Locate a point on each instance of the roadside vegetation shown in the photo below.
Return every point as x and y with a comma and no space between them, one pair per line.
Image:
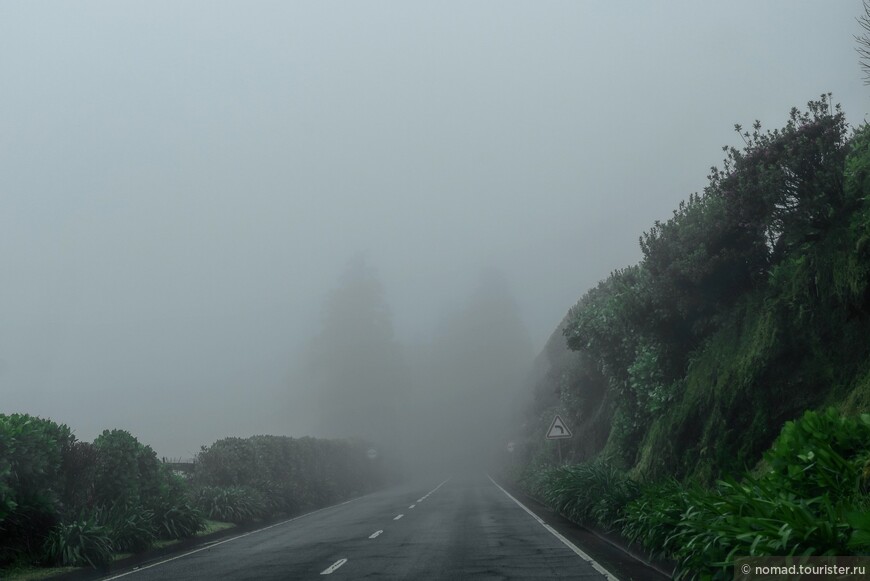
243,479
750,307
69,503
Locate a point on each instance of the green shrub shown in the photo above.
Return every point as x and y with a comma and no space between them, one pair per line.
126,470
236,504
79,543
288,474
32,449
821,453
7,493
31,482
281,498
78,466
227,462
130,526
24,530
179,521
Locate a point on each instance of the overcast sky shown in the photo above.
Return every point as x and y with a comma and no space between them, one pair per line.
181,183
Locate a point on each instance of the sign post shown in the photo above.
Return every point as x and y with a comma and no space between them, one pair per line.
559,431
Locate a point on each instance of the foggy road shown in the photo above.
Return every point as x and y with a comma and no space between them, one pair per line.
464,527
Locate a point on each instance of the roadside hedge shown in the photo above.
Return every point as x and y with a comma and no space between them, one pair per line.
68,502
265,476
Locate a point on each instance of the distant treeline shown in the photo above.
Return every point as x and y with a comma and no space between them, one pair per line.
750,305
68,502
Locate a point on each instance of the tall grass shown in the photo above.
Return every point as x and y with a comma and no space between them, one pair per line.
593,493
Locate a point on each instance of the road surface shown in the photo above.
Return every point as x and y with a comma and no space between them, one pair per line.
465,527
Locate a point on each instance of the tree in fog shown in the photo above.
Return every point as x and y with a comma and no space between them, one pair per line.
863,41
355,362
477,364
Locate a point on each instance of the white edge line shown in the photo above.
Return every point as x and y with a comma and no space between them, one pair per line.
607,574
331,569
212,545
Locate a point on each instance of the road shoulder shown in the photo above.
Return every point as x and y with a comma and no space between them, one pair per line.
617,560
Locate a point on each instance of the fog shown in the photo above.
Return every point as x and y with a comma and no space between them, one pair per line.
445,401
363,219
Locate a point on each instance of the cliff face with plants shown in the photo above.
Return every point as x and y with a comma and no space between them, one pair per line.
750,306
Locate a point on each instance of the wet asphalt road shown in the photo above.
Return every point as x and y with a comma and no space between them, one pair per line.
465,527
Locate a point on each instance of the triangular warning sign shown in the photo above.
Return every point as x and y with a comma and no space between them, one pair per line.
558,430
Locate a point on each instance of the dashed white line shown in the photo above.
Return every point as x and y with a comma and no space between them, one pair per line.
437,487
412,506
329,570
607,574
425,496
398,516
375,534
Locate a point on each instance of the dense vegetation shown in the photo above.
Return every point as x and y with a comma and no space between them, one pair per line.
63,501
750,306
68,502
242,479
810,498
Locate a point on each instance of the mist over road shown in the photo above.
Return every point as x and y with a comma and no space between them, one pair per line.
463,527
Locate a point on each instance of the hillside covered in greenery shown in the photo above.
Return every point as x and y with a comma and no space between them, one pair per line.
749,307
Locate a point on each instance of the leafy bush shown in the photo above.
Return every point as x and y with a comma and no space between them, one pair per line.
287,474
32,451
23,532
78,466
821,453
237,504
79,543
7,493
126,470
130,526
227,462
31,482
179,521
48,480
281,498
